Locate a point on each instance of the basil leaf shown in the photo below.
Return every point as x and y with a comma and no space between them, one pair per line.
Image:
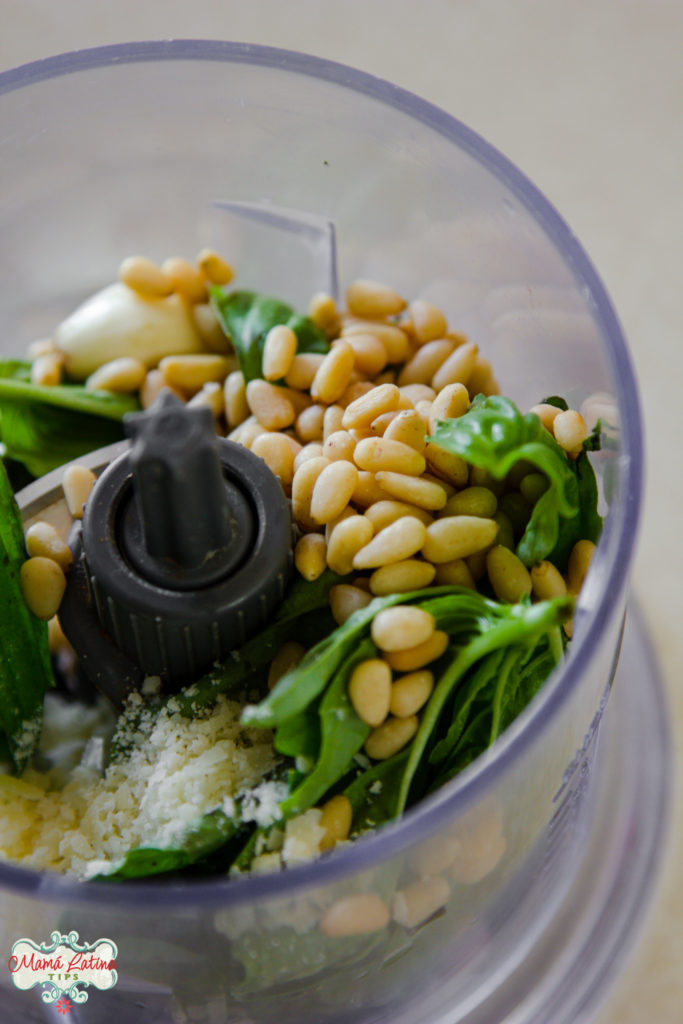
25,670
342,732
44,427
494,435
246,317
201,839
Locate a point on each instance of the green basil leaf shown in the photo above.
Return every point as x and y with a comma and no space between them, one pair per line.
25,670
44,427
494,435
246,317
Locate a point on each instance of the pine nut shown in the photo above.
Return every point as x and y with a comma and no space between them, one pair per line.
434,856
209,329
379,453
347,539
309,451
401,627
395,340
428,321
408,427
247,432
454,574
190,373
123,375
330,527
359,914
458,368
457,537
411,692
276,452
532,486
546,414
366,408
508,575
394,543
420,655
506,535
43,540
346,599
425,363
284,660
447,464
77,483
43,584
322,309
56,637
370,690
399,577
482,380
186,279
309,423
214,268
303,370
47,370
336,819
332,420
472,501
468,870
145,277
333,374
367,490
450,403
579,562
152,387
339,445
43,347
271,406
390,737
414,394
383,513
210,397
381,424
310,556
419,901
447,487
332,491
279,350
369,352
570,430
235,396
476,563
415,490
302,490
547,581
370,299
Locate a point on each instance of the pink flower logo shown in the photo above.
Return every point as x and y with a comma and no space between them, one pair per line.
63,1005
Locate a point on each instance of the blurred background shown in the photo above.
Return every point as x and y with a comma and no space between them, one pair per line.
586,97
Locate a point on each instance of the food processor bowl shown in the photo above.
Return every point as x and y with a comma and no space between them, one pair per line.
157,148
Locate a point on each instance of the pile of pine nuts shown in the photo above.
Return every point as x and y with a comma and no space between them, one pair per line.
346,435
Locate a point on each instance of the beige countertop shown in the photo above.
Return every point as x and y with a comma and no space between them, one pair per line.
586,97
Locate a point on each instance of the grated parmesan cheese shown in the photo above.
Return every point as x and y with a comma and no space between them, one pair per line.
175,770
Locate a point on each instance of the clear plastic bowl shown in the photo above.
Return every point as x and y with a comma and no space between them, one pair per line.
138,148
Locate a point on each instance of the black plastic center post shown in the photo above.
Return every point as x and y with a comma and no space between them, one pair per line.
186,548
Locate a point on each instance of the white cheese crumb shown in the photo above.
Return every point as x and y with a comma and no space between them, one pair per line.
175,770
303,836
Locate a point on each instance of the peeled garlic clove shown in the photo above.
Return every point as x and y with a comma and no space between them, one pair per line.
117,322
